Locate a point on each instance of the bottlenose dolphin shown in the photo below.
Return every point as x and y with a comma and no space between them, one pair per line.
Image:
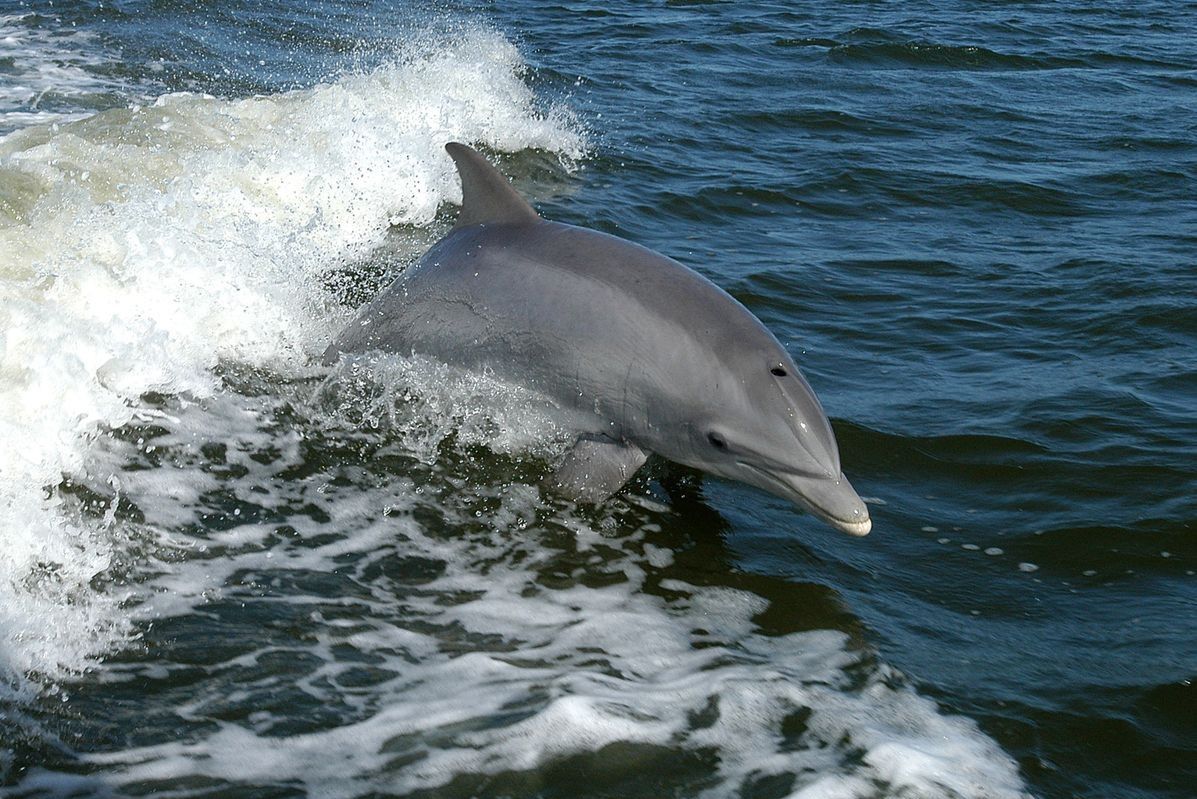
644,354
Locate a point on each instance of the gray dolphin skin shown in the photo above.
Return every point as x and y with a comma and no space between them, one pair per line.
643,354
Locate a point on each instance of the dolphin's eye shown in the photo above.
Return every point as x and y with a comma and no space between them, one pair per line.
716,441
779,371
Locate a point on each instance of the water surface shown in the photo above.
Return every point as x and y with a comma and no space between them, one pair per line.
228,571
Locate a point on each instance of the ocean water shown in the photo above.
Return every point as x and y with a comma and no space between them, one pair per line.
228,571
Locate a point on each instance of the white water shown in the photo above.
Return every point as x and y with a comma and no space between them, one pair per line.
52,73
140,247
497,653
404,628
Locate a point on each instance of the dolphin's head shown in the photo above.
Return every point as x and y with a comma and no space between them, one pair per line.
762,425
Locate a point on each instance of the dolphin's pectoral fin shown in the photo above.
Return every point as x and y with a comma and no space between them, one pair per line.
596,468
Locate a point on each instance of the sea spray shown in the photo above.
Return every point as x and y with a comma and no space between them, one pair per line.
142,246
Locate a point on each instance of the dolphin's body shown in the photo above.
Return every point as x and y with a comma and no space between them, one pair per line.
645,354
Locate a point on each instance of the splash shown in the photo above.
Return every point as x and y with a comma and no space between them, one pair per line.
141,247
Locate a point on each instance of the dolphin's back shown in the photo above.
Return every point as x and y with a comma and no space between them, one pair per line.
575,310
563,305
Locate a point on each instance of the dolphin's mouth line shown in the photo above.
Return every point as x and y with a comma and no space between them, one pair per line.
790,490
795,472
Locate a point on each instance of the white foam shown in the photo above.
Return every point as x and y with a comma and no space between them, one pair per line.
139,248
142,248
51,71
484,668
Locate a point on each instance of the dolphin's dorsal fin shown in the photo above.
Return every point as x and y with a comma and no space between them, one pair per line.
486,196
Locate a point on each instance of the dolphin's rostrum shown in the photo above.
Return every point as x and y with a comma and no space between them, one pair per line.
643,354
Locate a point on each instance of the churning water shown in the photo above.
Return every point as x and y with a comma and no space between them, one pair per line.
226,570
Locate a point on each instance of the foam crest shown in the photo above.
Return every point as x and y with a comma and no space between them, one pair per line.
143,246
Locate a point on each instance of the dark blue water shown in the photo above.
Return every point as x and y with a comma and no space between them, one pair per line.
973,224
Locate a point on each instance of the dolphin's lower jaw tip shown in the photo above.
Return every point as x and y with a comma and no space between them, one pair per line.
833,500
860,528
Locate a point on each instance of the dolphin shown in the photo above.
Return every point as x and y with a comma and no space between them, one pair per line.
644,354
